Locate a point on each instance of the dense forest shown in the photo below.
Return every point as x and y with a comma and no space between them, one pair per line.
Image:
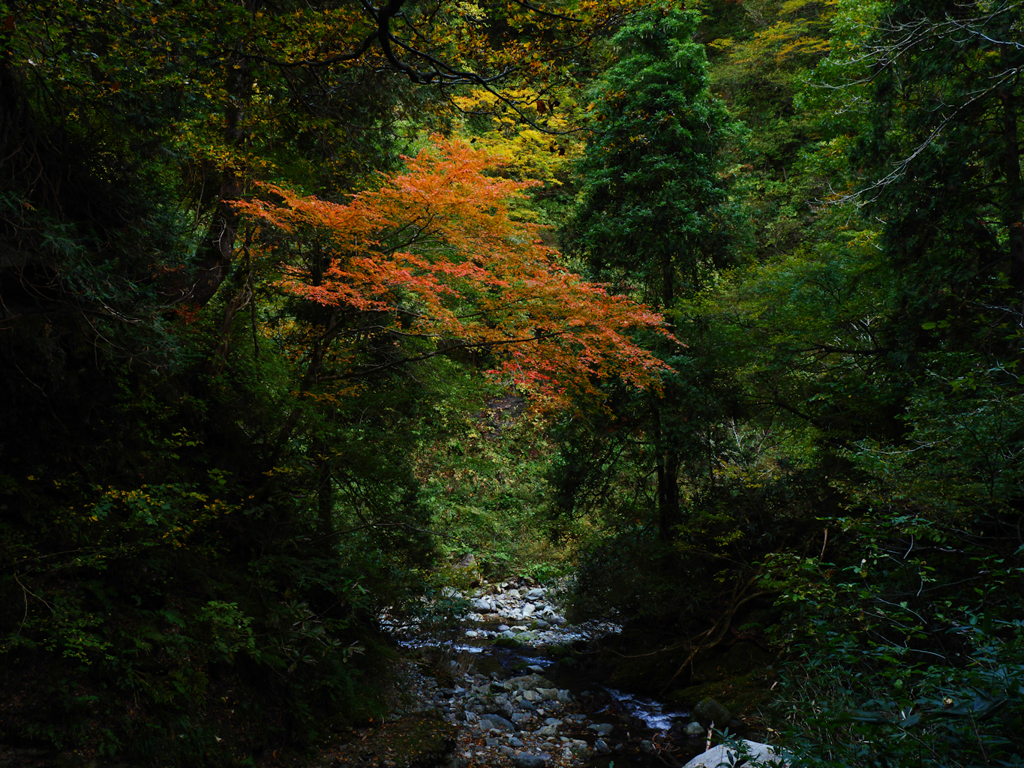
713,309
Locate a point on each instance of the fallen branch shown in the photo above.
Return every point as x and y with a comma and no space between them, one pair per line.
721,626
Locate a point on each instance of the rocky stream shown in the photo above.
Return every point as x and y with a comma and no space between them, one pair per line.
506,688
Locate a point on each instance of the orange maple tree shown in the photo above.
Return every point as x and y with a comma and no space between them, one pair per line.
435,253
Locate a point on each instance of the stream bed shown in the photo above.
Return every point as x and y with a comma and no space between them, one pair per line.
510,684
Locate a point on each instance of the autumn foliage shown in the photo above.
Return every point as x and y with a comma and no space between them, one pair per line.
436,254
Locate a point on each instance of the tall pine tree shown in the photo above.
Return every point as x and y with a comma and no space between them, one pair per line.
654,218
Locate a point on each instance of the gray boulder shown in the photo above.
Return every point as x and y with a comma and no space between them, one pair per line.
694,729
527,760
483,605
709,711
527,681
758,756
496,721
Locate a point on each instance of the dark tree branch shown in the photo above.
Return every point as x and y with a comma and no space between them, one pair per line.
398,362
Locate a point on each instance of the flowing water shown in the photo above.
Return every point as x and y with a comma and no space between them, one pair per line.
618,727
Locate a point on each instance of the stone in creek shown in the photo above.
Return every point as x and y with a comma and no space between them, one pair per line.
546,731
694,729
549,693
579,747
709,711
602,729
527,760
496,721
760,754
527,682
528,610
536,593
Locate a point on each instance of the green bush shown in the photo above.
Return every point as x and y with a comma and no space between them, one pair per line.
911,656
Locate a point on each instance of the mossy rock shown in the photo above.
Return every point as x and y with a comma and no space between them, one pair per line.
740,694
422,740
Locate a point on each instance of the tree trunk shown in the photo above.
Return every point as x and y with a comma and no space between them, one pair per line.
668,462
324,488
1014,206
218,250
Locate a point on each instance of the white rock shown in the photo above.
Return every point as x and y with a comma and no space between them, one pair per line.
723,757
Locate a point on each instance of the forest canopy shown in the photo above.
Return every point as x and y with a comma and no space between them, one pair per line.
712,310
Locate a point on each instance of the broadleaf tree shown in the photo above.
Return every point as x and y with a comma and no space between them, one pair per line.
434,262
